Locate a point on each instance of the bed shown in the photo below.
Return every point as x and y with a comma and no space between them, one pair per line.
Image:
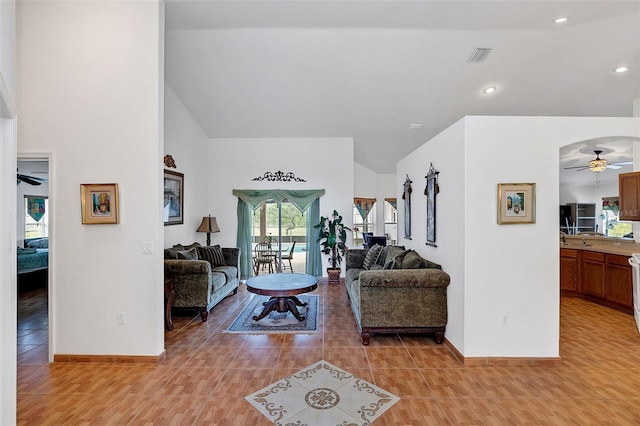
32,259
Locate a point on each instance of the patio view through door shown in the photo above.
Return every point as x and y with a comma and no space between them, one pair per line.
284,227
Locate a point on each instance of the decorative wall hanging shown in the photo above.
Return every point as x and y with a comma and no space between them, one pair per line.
516,203
99,203
35,207
364,206
430,191
406,196
173,198
279,177
169,161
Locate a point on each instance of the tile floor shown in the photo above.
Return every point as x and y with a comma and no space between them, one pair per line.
208,373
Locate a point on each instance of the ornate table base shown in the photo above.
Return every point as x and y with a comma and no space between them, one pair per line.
281,304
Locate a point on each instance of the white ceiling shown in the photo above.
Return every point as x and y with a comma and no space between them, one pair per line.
367,69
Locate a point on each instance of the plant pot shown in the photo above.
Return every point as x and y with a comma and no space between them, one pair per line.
334,275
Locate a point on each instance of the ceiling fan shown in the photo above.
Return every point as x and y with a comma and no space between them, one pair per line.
31,180
598,164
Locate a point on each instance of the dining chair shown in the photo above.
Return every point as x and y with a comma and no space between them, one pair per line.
289,257
263,256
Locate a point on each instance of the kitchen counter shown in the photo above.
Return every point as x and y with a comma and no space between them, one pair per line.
601,244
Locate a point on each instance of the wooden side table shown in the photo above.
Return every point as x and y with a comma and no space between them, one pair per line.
169,294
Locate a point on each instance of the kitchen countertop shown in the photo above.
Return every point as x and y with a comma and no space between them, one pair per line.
601,245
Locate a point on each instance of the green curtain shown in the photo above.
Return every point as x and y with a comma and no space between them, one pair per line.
313,259
302,199
244,238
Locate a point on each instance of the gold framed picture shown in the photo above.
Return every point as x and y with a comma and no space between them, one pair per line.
99,202
516,203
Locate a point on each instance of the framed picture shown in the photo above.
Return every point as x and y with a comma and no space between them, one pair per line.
173,198
99,203
516,203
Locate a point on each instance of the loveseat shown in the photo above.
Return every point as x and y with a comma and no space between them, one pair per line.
392,290
202,275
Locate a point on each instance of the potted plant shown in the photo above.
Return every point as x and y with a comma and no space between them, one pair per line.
332,238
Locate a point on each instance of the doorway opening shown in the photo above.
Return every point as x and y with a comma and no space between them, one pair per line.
283,228
33,238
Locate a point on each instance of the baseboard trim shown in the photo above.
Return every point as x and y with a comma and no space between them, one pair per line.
111,359
501,361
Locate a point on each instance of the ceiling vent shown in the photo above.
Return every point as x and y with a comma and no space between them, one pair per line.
479,54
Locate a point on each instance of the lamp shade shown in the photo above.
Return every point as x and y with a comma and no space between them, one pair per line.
209,224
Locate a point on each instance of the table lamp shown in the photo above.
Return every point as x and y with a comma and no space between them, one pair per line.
208,225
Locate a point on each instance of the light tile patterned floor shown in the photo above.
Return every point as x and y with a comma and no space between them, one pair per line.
322,394
208,373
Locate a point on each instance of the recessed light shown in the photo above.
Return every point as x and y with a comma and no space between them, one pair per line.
560,20
489,90
621,69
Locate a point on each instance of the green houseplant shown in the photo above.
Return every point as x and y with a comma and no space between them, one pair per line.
332,237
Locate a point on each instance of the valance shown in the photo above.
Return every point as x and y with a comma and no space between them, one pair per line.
610,203
301,198
393,202
364,205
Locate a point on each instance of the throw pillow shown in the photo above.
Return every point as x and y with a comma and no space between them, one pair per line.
212,254
395,261
189,247
191,254
171,253
384,254
413,260
372,256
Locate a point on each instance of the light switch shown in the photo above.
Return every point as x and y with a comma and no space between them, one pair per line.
146,247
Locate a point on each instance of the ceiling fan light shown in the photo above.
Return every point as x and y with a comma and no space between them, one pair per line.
597,165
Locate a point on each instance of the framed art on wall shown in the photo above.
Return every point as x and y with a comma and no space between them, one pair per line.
516,203
99,203
173,198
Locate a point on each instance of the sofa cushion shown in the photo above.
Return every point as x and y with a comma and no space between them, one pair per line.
171,253
191,254
218,279
413,260
230,272
213,254
371,257
376,267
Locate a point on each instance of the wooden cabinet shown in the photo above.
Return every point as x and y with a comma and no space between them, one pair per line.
628,190
569,269
619,280
593,273
603,278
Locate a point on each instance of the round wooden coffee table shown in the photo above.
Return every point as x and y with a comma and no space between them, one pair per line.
283,289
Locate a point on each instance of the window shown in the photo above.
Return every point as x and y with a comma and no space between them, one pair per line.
362,225
391,220
36,217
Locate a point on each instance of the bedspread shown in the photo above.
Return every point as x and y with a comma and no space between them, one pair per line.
30,260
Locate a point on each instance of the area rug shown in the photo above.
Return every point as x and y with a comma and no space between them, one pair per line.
277,322
322,394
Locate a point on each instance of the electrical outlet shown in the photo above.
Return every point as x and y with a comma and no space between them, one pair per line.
120,317
504,320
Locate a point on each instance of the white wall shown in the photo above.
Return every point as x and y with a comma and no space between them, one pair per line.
508,270
370,184
186,142
446,152
8,286
90,93
235,162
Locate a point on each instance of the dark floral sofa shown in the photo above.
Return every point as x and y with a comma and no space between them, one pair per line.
393,290
202,275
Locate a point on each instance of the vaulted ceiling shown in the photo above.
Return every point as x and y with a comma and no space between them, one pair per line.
369,69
